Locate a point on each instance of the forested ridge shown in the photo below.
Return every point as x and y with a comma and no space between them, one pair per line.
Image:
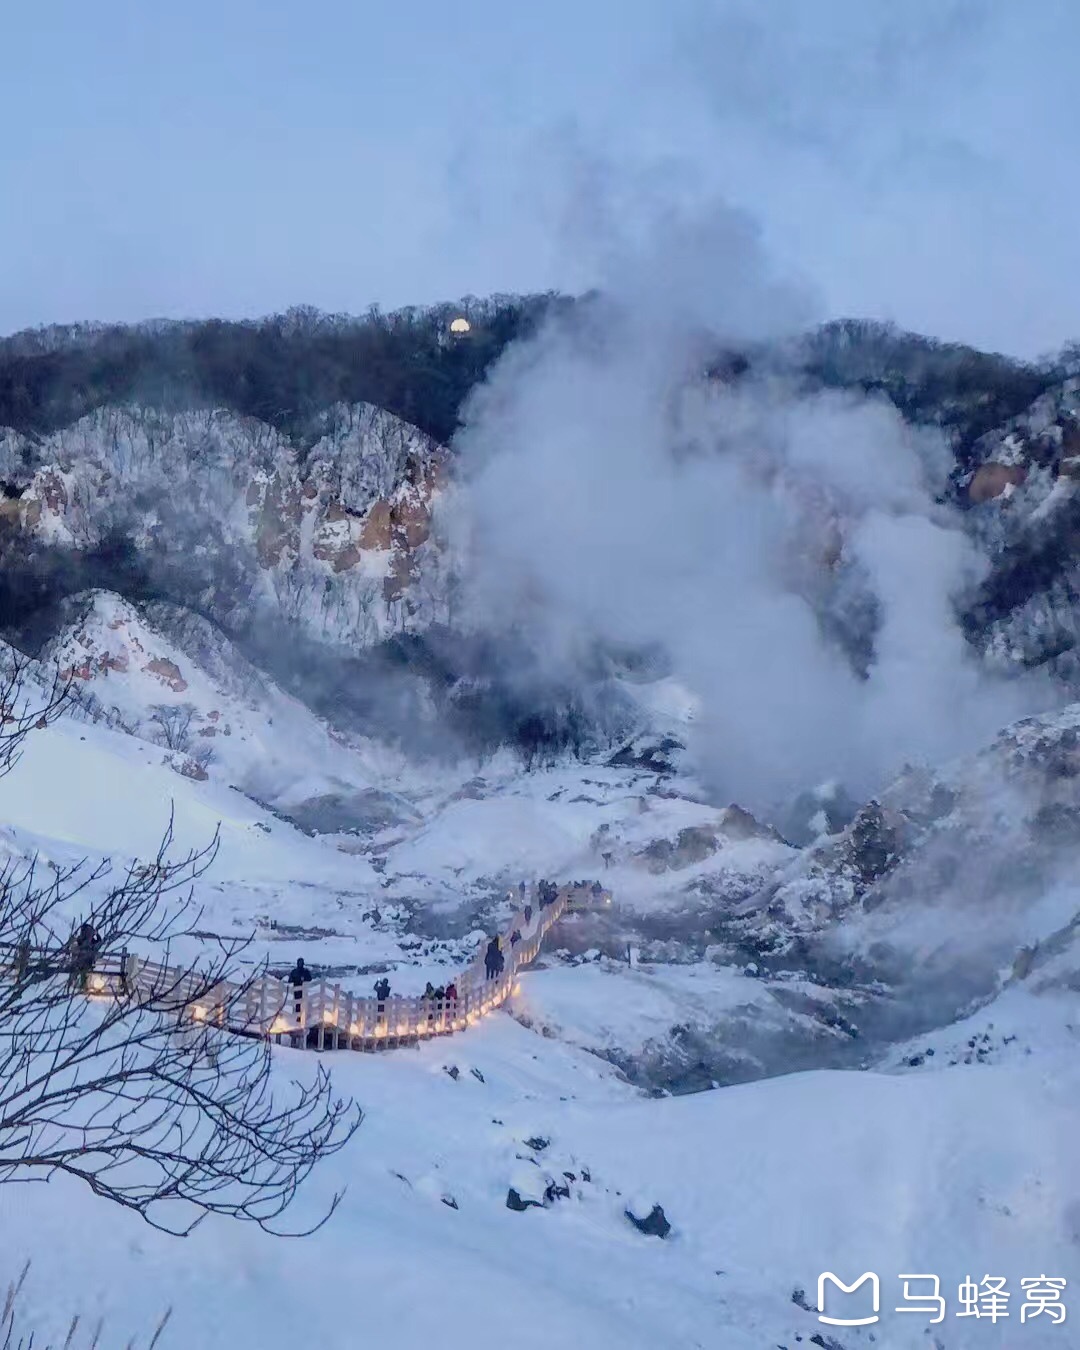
284,370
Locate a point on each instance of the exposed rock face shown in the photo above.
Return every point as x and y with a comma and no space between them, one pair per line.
968,848
1022,484
168,672
991,480
239,521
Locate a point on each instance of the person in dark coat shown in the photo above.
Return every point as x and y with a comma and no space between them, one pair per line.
382,989
515,937
493,958
528,913
84,953
451,992
298,977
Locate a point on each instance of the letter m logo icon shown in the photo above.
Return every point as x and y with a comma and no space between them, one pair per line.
875,1293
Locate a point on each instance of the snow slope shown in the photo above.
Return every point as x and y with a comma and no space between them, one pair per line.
958,1172
960,1162
234,725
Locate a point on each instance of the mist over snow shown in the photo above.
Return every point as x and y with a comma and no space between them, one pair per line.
789,551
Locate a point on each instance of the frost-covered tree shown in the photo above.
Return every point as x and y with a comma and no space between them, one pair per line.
172,724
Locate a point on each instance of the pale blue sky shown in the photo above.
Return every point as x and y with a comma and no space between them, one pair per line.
910,159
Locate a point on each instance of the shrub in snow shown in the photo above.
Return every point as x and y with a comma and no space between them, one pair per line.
12,1326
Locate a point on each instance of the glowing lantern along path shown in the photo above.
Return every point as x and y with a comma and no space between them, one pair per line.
319,1015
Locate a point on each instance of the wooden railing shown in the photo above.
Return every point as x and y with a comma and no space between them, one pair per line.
323,1015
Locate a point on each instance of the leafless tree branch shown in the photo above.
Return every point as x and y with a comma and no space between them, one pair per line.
133,1089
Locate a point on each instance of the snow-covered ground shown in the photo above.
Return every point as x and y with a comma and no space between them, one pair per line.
970,1171
957,1163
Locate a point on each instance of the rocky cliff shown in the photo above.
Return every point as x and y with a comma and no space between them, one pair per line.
226,515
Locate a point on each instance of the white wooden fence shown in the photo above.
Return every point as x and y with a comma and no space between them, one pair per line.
322,1014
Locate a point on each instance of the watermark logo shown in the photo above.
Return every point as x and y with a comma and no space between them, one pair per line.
916,1301
988,1298
1042,1294
875,1293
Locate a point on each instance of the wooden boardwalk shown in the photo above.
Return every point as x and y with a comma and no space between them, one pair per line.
321,1016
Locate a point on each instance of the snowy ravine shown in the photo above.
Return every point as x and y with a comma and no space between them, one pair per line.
953,1153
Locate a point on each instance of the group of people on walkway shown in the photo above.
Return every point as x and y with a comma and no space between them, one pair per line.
547,893
443,994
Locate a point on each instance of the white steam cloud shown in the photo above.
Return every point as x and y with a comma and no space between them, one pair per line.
616,493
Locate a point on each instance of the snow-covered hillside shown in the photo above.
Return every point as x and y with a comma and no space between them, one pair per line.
947,1147
959,1172
212,712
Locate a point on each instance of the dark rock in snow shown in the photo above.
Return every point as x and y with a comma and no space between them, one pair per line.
515,1202
655,1223
477,1075
453,1071
537,1142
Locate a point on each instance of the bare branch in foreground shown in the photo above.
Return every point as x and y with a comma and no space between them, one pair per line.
134,1090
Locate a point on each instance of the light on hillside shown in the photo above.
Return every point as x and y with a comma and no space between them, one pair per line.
460,325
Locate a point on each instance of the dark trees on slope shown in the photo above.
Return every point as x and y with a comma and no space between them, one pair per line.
287,370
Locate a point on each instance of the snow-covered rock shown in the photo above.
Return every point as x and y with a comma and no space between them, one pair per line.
212,712
334,539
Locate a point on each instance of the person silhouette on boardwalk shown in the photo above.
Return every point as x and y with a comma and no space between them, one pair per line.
493,958
298,977
84,954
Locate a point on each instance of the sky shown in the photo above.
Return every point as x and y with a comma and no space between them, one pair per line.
902,159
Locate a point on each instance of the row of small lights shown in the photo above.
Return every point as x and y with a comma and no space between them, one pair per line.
97,985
